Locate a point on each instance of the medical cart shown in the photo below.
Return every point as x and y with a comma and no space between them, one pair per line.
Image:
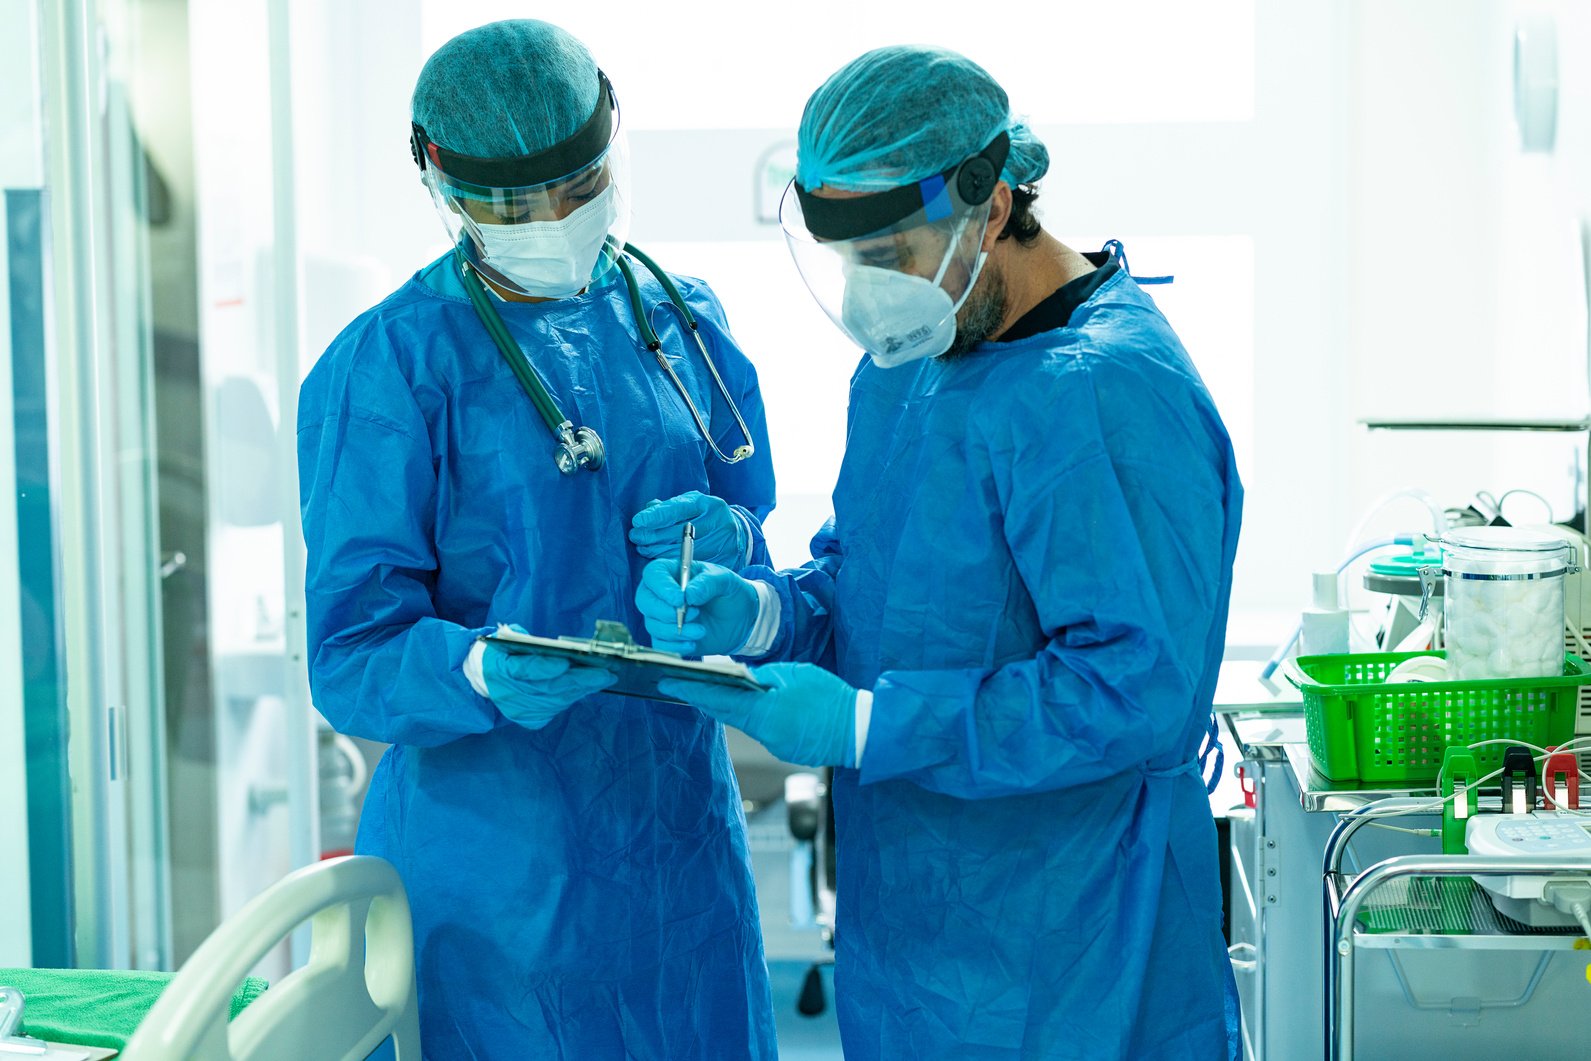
1276,938
1422,963
1278,851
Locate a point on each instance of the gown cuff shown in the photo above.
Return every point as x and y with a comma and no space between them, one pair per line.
766,629
473,669
864,717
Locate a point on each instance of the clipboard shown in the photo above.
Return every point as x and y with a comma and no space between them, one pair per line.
639,667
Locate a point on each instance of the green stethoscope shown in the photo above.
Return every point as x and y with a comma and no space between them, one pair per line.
580,447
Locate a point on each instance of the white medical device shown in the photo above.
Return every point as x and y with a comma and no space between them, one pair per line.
1540,835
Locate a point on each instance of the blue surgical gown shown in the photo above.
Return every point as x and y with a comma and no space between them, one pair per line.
1030,566
582,890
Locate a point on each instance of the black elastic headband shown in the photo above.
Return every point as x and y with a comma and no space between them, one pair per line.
522,171
973,182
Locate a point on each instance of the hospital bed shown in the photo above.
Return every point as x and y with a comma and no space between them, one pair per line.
356,991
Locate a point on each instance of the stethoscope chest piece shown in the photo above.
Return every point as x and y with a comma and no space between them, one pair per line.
578,449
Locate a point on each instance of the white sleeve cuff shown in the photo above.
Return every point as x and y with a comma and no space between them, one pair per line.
864,716
473,669
766,629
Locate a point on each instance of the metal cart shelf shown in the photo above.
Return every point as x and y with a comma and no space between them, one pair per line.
1437,927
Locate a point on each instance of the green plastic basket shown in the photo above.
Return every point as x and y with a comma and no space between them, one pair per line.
1362,729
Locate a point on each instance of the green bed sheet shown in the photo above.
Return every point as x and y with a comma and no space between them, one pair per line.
96,1007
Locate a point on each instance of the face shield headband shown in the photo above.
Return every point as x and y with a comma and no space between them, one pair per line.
521,171
971,182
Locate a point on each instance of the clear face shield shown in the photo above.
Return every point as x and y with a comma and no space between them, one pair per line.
546,225
891,269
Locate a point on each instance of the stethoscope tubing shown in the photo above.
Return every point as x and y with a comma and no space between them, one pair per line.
580,447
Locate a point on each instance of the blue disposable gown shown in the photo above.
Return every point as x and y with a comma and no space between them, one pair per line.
582,890
1030,565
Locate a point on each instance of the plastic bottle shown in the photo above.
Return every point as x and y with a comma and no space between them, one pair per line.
1325,629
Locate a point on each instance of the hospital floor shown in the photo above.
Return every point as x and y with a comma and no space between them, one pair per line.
802,1038
791,949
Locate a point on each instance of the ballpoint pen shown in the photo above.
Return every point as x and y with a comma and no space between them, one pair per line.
687,546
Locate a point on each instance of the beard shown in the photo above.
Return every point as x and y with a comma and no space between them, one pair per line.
981,315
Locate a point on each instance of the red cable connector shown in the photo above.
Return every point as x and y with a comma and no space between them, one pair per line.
1562,775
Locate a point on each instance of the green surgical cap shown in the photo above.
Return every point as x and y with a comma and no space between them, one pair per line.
899,114
506,89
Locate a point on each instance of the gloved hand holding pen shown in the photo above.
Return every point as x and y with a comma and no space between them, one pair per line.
720,608
722,536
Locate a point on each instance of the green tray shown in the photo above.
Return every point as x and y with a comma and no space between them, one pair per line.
1448,906
1361,729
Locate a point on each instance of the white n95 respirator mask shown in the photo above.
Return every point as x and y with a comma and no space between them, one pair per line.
899,317
551,259
893,266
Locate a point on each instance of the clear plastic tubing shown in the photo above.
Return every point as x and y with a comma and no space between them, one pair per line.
1503,590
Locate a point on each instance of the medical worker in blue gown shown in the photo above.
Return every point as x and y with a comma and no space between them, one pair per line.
576,861
1017,611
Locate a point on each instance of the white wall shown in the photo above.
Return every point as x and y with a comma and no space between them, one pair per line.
1465,286
1572,160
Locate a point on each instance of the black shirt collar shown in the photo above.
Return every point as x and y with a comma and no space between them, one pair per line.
1057,308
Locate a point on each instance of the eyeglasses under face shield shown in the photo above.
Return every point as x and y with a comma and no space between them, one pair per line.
539,190
932,229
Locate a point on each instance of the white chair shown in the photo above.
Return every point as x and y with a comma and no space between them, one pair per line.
356,990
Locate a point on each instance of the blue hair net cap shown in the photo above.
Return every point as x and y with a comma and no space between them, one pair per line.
506,89
896,115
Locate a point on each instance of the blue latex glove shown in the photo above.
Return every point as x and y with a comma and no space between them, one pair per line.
721,608
808,717
533,690
721,536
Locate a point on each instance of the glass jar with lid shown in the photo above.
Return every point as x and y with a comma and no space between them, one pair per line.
1504,589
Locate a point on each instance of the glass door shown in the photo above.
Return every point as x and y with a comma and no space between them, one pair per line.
168,283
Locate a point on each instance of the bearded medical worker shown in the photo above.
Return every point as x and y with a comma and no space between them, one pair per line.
576,861
1016,613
